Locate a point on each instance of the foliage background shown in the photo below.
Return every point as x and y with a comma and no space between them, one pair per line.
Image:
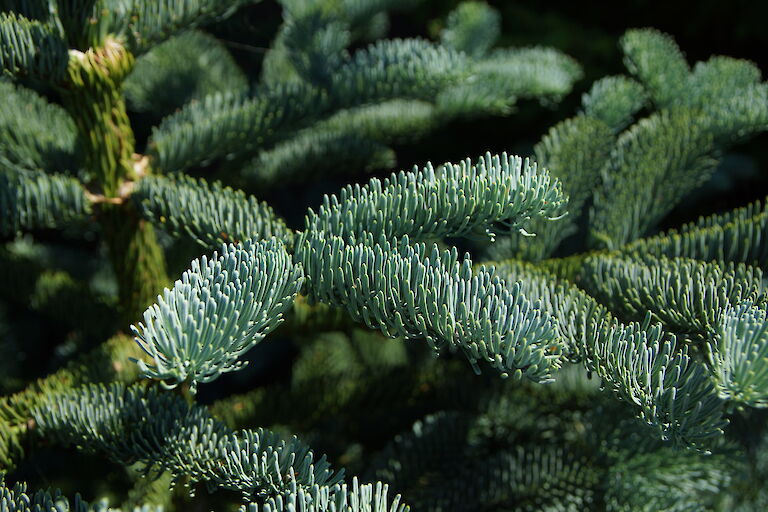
589,32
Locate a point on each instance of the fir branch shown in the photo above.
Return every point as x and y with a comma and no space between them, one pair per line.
421,293
574,151
315,43
674,394
666,480
393,121
210,214
530,72
686,295
737,236
162,431
410,69
186,67
472,27
33,200
718,78
19,499
614,100
490,94
575,313
340,497
103,364
453,200
518,479
29,47
397,68
726,92
229,124
351,139
658,63
735,216
638,361
330,153
734,117
145,24
497,81
35,134
219,309
654,164
738,354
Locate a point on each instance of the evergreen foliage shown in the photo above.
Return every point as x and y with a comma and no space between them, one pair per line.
210,214
645,354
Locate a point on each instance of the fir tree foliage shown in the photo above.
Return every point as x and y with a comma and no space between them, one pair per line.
454,200
614,100
31,48
738,354
35,134
673,325
187,67
686,295
161,429
671,389
218,309
310,75
210,214
33,200
736,236
624,176
19,499
414,292
472,28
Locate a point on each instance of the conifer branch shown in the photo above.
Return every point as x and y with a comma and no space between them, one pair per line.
105,364
530,72
638,361
230,124
737,236
397,68
210,214
33,200
673,392
614,100
145,24
688,296
738,354
219,309
654,164
574,151
328,152
418,292
473,28
658,63
666,480
315,43
184,68
19,499
452,200
162,431
34,133
349,498
29,47
351,139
